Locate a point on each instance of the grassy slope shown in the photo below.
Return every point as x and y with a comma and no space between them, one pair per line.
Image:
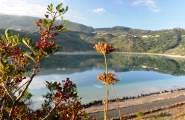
81,37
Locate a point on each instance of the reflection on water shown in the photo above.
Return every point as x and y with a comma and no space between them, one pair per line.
137,74
118,62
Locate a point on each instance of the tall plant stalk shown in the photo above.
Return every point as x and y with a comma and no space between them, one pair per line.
106,102
107,78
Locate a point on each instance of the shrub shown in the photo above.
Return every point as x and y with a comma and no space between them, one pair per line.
20,60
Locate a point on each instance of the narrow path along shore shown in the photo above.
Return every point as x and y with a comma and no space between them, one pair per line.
129,53
142,104
154,54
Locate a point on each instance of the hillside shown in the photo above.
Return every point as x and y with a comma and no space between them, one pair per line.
81,37
27,24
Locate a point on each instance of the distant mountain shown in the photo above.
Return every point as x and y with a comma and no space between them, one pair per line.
27,23
19,23
82,38
71,26
134,40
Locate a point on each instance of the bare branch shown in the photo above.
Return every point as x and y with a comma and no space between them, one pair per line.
2,102
20,87
49,113
27,85
9,93
23,92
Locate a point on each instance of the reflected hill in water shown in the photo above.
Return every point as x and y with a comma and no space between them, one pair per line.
118,62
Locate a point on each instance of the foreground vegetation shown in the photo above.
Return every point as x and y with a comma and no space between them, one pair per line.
20,60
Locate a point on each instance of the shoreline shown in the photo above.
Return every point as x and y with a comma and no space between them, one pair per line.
155,54
143,103
129,53
127,98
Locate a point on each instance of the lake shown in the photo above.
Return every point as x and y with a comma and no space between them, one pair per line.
138,74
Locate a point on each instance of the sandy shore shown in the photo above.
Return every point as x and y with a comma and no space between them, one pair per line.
154,54
142,104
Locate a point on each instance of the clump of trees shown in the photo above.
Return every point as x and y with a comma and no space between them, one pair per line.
20,60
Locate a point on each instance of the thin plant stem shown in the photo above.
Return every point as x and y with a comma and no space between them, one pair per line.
107,90
23,92
118,102
106,102
106,65
9,93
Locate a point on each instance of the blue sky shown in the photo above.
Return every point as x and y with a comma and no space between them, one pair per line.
143,14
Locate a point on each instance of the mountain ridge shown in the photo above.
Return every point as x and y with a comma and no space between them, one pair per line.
32,19
79,37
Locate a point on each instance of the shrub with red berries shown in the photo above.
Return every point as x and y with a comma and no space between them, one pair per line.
20,62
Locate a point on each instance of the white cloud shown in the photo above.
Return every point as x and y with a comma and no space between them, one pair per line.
99,10
22,7
151,4
33,8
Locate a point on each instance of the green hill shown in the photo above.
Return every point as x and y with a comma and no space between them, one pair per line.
82,38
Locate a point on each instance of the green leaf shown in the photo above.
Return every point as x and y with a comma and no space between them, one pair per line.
27,42
50,8
7,33
59,7
27,55
67,8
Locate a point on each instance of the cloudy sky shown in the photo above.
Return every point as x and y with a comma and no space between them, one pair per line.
144,14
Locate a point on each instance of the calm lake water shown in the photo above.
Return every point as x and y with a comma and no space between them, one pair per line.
137,74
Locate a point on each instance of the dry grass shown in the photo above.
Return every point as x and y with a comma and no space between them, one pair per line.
175,113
